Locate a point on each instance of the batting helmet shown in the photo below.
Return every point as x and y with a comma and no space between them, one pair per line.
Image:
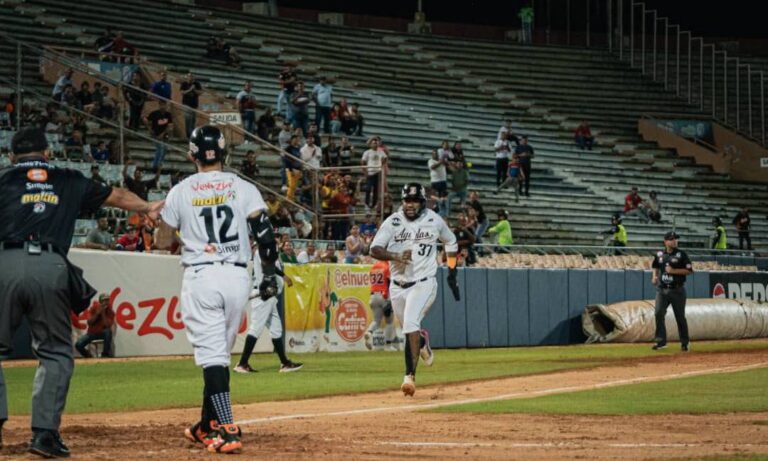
413,191
207,144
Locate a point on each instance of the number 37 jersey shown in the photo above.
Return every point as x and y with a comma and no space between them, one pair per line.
398,234
211,211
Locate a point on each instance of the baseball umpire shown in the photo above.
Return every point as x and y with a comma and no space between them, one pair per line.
408,238
669,270
39,204
213,211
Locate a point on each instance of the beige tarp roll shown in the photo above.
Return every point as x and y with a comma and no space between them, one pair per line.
634,321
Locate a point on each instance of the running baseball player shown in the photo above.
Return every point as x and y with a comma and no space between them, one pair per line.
264,313
380,305
408,238
213,211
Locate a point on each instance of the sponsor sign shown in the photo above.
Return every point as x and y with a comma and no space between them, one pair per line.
746,285
764,162
698,129
225,118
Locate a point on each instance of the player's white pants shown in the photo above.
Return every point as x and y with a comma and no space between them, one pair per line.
212,301
264,313
412,304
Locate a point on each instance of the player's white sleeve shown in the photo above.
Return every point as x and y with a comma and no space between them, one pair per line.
170,213
448,238
252,200
383,235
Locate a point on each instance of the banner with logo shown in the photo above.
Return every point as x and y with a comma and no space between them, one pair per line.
144,294
328,308
699,129
223,118
746,285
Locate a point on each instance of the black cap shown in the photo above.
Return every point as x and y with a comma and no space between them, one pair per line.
671,235
28,140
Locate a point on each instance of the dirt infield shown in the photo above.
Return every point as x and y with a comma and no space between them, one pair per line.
387,425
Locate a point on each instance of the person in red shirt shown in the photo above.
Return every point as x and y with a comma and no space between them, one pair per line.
632,204
381,306
583,136
100,323
128,241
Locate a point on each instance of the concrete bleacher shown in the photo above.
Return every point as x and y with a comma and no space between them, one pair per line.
417,91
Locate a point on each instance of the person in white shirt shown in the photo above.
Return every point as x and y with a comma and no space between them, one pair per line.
373,160
438,178
213,212
408,238
311,153
309,254
503,153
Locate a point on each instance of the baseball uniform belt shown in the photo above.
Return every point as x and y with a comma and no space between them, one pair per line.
408,284
211,263
671,286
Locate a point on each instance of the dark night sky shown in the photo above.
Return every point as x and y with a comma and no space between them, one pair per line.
736,18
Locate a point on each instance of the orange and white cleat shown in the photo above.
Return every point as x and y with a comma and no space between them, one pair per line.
409,386
228,440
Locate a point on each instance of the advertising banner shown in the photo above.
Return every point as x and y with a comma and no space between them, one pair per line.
328,308
746,285
699,129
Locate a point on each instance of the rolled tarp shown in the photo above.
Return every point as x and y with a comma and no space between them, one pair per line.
635,321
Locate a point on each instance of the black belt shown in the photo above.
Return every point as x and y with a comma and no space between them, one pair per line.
14,245
671,287
211,263
408,284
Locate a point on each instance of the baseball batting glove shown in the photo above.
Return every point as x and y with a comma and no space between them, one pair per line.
268,287
454,284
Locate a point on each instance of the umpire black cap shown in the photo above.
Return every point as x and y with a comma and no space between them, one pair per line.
671,235
28,140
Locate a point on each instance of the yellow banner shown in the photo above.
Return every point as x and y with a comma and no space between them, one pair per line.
328,307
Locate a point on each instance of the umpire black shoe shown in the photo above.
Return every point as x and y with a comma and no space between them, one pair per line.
48,444
685,347
659,346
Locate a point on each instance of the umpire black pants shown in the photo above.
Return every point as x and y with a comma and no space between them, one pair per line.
676,297
36,287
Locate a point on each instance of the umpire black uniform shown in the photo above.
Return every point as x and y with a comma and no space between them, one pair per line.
39,204
670,268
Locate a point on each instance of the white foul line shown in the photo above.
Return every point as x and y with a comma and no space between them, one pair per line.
535,445
514,395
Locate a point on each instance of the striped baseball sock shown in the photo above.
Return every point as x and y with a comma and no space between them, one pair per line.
223,407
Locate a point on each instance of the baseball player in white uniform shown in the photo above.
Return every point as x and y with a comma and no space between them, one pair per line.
408,238
264,313
213,212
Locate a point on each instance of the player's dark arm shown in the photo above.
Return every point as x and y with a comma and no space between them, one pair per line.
165,236
264,235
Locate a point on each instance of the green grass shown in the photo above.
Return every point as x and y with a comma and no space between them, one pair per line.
714,393
157,384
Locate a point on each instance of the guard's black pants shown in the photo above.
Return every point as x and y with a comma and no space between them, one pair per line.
676,297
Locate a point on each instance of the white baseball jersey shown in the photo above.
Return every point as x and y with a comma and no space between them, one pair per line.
211,211
398,234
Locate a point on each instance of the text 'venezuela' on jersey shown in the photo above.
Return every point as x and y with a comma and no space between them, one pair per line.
421,235
211,211
42,201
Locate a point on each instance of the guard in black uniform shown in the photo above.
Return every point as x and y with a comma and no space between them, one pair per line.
669,270
39,204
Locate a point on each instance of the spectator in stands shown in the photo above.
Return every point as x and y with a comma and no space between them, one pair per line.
632,204
526,24
125,51
618,231
137,184
68,98
265,125
331,153
300,107
285,135
458,155
288,78
136,96
250,168
293,166
583,136
99,238
742,222
63,81
482,219
84,98
335,118
465,238
129,241
514,176
313,133
96,176
373,161
354,246
445,152
525,151
504,231
506,127
228,52
104,41
322,95
298,132
302,224
100,153
339,203
100,323
107,105
161,87
368,227
719,238
311,153
273,204
346,152
160,124
287,256
308,255
74,148
503,151
190,96
246,103
438,179
8,111
356,120
459,184
329,255
652,207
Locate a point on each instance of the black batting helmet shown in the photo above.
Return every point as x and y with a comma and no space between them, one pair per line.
413,190
207,144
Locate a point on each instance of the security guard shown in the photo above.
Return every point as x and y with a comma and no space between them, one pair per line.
669,270
39,204
620,238
719,239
